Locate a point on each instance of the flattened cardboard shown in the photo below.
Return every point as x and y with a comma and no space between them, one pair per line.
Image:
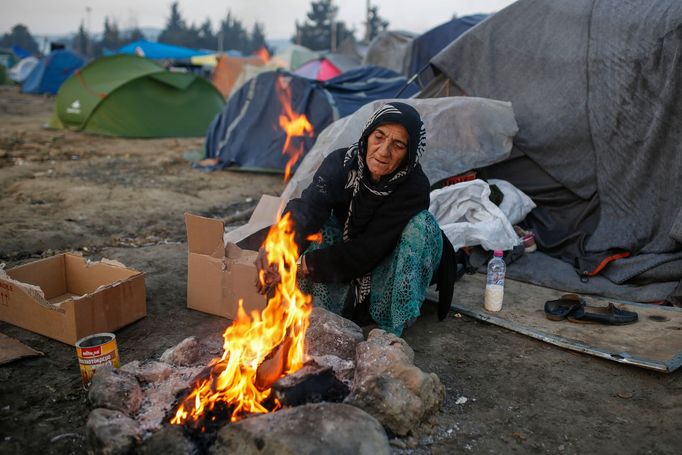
653,342
219,273
66,297
12,349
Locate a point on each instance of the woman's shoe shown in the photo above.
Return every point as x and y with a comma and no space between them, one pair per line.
567,305
610,315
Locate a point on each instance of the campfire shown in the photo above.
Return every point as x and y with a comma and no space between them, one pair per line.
349,390
293,124
262,347
258,348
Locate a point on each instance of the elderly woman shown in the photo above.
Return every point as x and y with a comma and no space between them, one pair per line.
380,246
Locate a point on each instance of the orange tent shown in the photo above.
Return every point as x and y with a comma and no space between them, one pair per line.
228,70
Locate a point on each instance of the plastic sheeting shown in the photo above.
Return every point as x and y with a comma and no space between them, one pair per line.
595,87
427,45
20,71
149,49
391,50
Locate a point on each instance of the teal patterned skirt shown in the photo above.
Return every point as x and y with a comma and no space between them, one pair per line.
399,282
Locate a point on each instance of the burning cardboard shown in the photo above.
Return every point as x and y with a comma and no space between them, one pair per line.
259,347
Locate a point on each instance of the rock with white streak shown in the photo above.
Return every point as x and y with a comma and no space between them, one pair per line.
149,371
185,353
390,387
343,369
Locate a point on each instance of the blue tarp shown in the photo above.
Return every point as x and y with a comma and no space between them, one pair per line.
51,72
427,45
247,135
20,52
355,88
149,49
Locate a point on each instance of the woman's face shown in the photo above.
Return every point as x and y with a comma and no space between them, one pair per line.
386,148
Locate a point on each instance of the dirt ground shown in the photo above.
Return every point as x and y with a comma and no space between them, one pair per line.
125,199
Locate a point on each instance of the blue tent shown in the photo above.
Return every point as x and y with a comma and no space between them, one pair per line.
52,71
246,134
427,45
157,51
355,88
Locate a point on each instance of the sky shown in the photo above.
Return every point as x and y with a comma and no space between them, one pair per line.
55,17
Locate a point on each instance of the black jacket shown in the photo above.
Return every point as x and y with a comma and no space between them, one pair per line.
327,196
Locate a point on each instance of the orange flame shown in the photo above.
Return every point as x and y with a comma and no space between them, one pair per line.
293,124
237,379
263,54
315,237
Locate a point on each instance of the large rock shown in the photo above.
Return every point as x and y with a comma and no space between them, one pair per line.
388,385
311,429
185,353
169,440
150,371
116,389
110,432
331,334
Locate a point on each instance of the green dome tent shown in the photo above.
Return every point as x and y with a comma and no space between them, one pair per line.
130,96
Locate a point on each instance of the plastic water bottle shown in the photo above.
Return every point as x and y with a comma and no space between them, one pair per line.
494,285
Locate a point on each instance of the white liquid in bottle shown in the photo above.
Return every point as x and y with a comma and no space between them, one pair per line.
494,285
494,294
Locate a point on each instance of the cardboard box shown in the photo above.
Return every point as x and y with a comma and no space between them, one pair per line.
66,297
219,272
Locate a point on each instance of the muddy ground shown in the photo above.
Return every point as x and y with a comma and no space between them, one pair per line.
124,199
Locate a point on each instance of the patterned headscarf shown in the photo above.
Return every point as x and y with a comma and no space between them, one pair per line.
363,203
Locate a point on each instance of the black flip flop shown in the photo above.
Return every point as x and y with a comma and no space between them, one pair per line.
567,305
609,315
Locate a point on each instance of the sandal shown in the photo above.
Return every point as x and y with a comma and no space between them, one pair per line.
567,305
610,315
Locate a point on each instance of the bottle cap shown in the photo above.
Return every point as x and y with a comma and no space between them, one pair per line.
498,253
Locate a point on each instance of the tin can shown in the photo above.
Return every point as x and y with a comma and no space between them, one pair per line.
96,351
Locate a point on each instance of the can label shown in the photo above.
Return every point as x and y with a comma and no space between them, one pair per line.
96,351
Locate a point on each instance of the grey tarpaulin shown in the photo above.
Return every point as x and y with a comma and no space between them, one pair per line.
461,133
392,50
596,87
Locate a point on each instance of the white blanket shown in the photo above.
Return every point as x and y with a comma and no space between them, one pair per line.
466,215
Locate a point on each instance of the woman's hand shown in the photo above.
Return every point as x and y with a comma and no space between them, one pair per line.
269,271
